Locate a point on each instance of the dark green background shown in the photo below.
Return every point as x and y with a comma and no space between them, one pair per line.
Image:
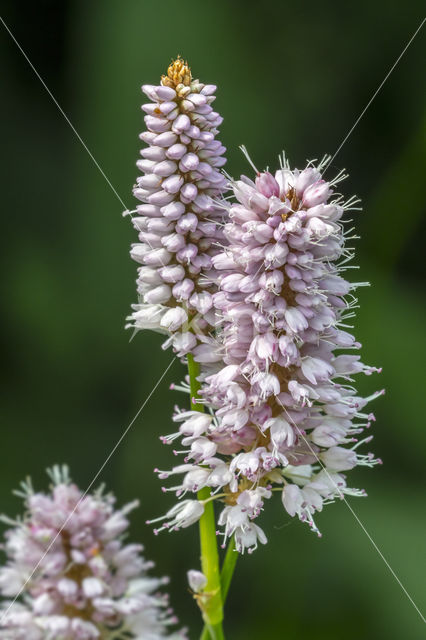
291,76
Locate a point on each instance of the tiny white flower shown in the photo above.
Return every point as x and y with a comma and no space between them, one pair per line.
196,580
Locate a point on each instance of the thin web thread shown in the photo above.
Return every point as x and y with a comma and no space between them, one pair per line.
123,204
64,115
84,145
341,495
375,93
114,449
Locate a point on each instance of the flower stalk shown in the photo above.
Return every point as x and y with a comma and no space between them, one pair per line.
211,602
228,569
226,574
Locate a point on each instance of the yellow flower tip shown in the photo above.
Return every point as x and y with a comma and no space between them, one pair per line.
178,73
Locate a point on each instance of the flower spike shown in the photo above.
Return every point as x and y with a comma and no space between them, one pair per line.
77,577
177,221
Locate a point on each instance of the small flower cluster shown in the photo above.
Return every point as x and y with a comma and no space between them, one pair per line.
283,413
69,575
177,222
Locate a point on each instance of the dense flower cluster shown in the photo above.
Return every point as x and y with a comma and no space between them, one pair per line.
74,576
177,222
283,413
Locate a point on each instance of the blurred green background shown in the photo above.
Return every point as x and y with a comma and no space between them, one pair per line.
291,76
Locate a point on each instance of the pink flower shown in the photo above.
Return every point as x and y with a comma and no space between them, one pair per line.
176,220
72,573
284,412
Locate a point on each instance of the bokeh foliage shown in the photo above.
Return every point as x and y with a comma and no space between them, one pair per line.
290,75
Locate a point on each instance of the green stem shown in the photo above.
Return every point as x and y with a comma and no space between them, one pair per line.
207,633
212,632
195,386
227,572
212,605
228,568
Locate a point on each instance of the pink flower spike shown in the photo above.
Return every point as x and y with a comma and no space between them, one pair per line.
68,528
